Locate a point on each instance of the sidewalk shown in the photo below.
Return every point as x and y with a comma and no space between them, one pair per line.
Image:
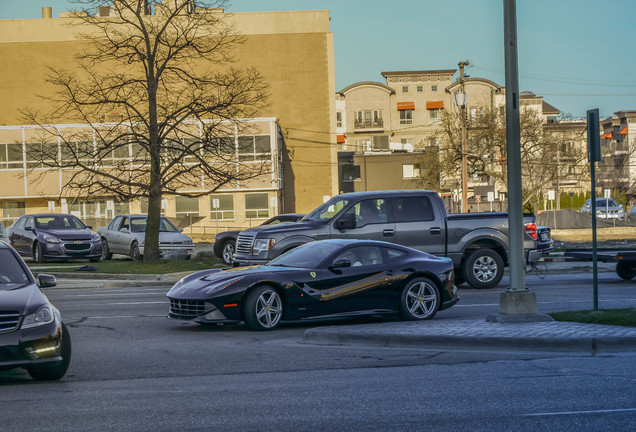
553,336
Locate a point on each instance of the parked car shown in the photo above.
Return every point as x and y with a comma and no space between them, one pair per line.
225,241
631,214
323,279
3,233
54,236
606,208
126,234
32,334
476,242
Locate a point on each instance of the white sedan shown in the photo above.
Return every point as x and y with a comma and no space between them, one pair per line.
125,235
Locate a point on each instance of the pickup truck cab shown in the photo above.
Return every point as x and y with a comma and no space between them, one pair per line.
477,243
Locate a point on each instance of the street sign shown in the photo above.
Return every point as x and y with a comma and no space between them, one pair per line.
551,195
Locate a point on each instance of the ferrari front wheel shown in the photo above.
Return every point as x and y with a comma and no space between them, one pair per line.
420,300
263,308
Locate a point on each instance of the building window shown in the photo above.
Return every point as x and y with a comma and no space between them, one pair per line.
256,205
368,119
435,115
339,119
13,209
406,117
410,171
221,207
434,88
143,204
420,89
350,173
10,156
254,148
405,89
186,206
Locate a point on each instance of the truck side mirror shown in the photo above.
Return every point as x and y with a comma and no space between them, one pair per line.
346,221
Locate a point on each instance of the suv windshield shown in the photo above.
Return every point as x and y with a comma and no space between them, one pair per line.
328,210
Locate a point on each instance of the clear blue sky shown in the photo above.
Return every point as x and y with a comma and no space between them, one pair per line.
578,54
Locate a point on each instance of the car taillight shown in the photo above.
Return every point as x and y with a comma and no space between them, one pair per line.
531,230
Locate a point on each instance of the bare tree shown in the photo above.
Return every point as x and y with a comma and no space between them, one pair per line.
543,154
162,73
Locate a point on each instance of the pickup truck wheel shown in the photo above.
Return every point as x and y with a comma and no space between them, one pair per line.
419,300
483,268
228,251
625,270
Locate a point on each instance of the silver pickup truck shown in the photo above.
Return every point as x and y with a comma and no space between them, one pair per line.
476,242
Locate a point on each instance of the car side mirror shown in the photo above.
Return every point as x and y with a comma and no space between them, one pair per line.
90,227
28,228
340,263
180,229
46,280
124,230
346,221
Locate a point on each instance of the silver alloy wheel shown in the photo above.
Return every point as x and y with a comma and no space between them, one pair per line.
269,309
485,268
421,300
228,252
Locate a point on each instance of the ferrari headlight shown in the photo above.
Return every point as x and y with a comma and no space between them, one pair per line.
42,316
51,239
222,286
261,245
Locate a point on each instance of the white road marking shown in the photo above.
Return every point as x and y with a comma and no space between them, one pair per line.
580,412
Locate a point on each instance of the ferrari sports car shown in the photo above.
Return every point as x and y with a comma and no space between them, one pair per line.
32,335
322,279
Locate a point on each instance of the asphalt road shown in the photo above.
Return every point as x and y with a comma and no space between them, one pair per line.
135,370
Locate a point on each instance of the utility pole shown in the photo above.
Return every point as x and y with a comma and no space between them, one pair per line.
464,139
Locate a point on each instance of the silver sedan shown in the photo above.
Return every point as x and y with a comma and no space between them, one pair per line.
125,235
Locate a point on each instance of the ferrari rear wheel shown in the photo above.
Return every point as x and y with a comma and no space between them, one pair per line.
263,308
420,300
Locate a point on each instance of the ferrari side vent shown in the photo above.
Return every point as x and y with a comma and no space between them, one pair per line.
9,320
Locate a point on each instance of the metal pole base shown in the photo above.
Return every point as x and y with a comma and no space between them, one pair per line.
518,306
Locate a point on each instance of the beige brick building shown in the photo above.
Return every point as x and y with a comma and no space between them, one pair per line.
294,53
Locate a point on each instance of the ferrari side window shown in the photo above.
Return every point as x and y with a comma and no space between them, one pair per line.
394,254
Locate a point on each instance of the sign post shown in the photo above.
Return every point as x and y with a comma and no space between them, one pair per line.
593,156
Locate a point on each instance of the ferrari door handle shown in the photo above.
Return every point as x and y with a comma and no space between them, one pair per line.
388,232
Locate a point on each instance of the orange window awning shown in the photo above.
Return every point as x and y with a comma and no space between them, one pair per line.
609,135
405,106
623,131
341,139
435,105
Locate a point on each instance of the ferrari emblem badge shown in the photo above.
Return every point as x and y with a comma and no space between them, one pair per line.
313,274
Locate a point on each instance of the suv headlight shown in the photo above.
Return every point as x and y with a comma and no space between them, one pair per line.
42,316
51,239
261,245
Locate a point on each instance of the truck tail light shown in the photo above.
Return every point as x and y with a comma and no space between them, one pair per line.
531,230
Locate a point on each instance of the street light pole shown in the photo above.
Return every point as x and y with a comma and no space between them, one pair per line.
464,138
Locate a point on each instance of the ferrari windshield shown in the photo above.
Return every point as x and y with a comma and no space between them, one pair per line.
11,272
328,210
306,256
